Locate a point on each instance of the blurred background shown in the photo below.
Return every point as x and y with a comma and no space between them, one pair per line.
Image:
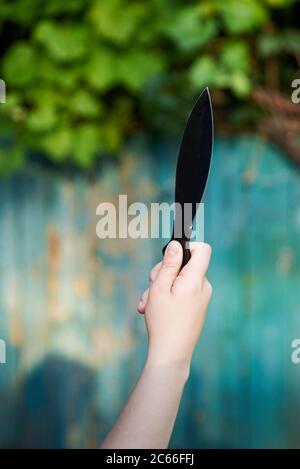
97,94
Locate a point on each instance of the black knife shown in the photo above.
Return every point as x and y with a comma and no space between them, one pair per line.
192,169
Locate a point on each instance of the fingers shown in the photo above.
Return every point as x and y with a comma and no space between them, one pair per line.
200,258
193,273
170,267
192,277
207,287
154,272
143,301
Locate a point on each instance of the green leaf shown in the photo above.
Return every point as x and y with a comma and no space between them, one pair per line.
203,72
137,67
116,20
23,12
84,104
101,70
86,145
19,65
58,75
189,31
242,16
58,144
235,56
132,69
64,43
44,113
42,119
207,72
13,99
240,84
58,7
42,96
287,41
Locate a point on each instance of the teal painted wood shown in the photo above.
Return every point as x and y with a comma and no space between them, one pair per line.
75,345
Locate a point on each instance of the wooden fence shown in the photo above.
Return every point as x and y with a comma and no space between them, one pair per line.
74,343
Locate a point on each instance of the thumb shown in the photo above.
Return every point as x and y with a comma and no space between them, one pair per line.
170,266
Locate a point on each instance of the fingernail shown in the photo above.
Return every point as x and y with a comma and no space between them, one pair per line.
173,248
140,303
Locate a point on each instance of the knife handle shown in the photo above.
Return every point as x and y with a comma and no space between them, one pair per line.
185,251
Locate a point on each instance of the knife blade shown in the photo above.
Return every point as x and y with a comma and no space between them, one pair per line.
192,170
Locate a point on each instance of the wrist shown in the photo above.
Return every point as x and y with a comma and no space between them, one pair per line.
176,367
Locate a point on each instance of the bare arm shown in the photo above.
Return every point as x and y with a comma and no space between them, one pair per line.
148,417
174,308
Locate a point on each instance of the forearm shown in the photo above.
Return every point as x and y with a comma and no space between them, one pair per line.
174,308
148,417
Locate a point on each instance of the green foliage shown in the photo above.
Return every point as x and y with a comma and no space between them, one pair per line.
287,41
190,29
242,16
20,65
63,43
82,75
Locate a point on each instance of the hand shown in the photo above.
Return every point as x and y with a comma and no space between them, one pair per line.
175,304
